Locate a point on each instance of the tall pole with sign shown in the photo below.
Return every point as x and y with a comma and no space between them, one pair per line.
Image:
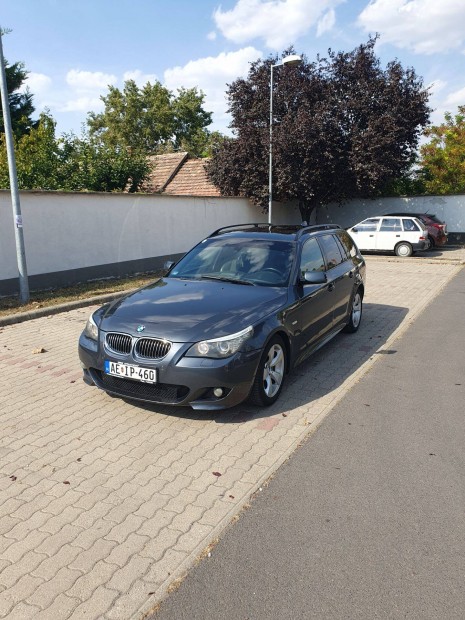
20,251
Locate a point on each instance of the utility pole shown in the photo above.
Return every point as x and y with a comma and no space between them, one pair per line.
20,251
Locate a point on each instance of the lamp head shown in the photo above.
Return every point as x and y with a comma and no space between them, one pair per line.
293,59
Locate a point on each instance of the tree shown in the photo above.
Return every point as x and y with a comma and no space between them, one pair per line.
88,164
151,119
343,127
443,157
71,163
21,106
37,157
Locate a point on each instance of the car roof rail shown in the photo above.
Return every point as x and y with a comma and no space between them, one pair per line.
315,228
239,227
256,225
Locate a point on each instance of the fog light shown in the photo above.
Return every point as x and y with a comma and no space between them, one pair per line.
218,392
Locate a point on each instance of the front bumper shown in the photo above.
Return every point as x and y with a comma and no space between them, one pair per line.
182,381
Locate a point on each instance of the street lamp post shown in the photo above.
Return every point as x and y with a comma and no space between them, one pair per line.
293,59
20,251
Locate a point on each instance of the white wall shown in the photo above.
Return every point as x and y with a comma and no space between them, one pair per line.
449,209
64,231
77,231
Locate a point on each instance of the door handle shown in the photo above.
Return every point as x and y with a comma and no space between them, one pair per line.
351,274
331,286
371,235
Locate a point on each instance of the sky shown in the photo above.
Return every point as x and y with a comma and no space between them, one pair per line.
74,49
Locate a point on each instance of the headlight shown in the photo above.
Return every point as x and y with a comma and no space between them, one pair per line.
220,347
91,329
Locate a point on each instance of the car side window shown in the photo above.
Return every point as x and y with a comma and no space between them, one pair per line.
390,224
347,243
368,225
331,251
410,225
311,258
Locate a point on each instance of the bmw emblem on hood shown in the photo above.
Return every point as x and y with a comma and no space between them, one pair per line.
140,328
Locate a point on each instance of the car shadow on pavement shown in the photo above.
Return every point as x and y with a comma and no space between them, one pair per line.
318,377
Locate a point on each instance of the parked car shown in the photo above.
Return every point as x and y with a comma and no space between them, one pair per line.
230,319
402,235
437,230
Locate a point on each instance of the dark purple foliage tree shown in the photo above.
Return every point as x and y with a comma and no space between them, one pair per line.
343,127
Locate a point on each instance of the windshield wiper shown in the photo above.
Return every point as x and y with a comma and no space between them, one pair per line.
226,279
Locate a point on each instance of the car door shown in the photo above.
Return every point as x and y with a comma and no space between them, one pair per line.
364,233
311,315
340,274
413,230
389,234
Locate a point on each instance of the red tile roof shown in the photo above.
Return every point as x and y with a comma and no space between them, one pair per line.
178,175
191,180
164,167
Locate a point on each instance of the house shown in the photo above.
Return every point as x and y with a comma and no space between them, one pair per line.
177,174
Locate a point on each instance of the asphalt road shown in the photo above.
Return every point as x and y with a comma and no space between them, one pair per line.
366,519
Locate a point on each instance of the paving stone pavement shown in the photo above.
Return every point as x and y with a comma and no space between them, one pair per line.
104,504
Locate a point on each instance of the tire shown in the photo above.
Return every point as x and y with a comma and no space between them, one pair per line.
355,317
432,244
269,378
403,249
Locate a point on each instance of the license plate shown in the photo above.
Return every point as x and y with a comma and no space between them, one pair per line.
129,371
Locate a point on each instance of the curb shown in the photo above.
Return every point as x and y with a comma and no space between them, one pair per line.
20,317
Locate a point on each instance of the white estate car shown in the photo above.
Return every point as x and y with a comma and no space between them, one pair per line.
402,235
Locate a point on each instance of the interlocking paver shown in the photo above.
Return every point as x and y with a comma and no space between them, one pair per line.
44,595
142,499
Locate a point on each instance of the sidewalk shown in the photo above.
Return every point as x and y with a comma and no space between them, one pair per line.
365,521
104,504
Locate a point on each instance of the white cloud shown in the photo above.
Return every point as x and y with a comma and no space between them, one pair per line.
211,36
424,26
84,81
211,75
326,23
38,83
456,98
82,104
278,22
437,86
140,78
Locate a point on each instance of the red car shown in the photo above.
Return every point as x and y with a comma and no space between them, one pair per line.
437,230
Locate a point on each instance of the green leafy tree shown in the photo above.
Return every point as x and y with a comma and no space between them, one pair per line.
90,165
21,106
443,157
71,163
151,119
343,127
37,157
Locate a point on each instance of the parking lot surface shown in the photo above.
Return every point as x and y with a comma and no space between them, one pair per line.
104,504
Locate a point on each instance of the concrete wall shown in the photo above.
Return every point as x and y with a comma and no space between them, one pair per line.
72,237
76,237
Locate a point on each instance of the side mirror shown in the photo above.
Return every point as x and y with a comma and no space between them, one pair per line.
314,277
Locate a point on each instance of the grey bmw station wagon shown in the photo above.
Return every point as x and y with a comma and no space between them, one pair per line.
230,319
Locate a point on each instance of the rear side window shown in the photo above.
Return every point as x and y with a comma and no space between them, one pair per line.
347,243
331,251
410,225
391,224
311,258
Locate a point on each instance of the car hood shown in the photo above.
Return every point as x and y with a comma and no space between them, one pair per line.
192,310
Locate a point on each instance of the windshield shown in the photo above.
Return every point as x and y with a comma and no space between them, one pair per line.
260,262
